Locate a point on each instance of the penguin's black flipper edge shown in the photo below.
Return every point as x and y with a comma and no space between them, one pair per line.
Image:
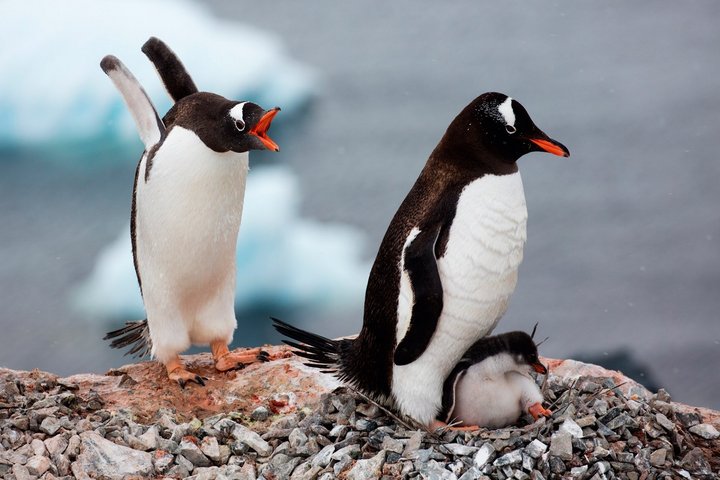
172,72
450,391
147,120
421,265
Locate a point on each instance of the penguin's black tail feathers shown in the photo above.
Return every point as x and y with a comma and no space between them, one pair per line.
134,335
322,352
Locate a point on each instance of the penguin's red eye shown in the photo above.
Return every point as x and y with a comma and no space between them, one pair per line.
240,125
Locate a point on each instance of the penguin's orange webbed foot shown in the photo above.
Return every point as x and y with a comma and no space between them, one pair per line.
226,360
537,411
183,377
437,424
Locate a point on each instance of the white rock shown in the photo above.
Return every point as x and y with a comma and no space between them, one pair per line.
706,431
251,439
483,455
103,458
462,450
56,445
211,448
367,469
37,465
572,428
561,445
536,448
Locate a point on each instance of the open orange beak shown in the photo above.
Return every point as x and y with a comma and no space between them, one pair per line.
551,146
261,128
540,368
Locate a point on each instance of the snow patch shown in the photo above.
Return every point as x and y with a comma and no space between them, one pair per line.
53,92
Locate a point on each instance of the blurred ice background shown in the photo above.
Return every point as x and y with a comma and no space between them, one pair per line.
623,258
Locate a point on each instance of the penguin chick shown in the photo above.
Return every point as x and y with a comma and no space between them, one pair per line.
491,386
186,212
447,265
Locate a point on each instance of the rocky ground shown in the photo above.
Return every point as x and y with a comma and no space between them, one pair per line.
282,420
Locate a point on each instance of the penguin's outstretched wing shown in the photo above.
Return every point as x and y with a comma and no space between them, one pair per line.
176,79
149,125
421,265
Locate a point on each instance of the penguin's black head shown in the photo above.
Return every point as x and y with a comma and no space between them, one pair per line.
522,347
224,125
495,123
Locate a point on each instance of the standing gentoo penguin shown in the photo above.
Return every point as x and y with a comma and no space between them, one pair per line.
490,386
186,211
447,264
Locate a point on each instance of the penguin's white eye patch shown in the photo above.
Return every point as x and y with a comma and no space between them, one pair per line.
510,129
236,113
507,112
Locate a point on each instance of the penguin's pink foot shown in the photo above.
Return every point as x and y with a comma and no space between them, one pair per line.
438,424
226,360
537,411
177,373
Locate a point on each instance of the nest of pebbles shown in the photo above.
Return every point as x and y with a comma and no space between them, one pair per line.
596,432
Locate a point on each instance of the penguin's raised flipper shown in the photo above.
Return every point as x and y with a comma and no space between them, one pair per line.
421,266
177,80
147,120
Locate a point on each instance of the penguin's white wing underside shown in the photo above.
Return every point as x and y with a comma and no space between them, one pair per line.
148,122
421,266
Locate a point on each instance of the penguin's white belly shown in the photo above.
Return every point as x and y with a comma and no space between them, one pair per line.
478,272
187,222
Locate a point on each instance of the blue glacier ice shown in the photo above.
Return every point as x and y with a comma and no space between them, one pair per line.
54,97
283,260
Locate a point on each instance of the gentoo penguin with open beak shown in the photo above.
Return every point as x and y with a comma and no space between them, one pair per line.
186,211
491,386
447,264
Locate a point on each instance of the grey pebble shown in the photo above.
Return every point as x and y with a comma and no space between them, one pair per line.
101,457
512,458
184,463
50,425
260,414
460,450
352,451
193,453
705,430
561,446
162,461
657,458
323,457
367,469
37,465
297,438
56,445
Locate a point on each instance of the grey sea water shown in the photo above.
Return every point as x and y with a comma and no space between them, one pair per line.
624,236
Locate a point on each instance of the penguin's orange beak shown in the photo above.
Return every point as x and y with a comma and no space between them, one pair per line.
540,368
551,146
261,128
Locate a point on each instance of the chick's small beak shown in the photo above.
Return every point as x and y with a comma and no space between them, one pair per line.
261,128
551,146
540,368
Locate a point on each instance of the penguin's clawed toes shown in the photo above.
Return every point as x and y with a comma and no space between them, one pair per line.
238,360
440,425
183,377
537,411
